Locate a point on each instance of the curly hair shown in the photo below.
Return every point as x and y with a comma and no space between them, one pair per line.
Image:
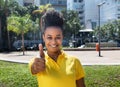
52,18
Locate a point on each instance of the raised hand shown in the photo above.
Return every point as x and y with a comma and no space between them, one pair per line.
39,63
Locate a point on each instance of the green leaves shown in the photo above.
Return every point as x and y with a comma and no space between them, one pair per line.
71,22
19,24
110,30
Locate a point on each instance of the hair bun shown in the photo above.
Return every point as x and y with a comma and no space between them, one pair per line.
53,18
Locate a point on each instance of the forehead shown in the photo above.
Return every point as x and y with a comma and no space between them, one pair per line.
53,31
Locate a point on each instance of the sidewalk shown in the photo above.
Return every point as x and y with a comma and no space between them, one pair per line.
111,57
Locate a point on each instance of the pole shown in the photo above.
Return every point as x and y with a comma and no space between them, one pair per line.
99,39
99,33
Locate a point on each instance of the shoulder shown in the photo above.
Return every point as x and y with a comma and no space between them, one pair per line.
72,58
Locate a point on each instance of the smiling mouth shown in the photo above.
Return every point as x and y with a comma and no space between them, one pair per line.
53,46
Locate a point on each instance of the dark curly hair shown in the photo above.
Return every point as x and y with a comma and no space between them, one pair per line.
52,18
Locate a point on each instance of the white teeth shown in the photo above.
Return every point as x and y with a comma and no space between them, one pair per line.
53,46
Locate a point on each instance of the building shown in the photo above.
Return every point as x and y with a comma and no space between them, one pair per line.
77,5
88,11
28,2
91,14
111,11
57,4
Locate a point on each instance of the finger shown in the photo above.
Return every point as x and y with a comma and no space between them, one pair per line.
39,60
42,55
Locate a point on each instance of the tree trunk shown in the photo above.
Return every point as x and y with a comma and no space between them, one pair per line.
23,46
4,33
0,35
8,34
3,28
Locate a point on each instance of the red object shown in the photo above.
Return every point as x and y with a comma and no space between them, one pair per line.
97,47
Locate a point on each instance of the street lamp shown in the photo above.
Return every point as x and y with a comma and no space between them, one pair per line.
99,39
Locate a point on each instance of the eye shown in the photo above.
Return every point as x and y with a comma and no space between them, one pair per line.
58,38
49,38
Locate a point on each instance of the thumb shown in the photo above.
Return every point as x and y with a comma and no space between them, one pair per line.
42,55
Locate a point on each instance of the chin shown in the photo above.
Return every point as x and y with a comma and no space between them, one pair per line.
54,50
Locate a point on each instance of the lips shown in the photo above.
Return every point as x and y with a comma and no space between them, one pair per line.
53,46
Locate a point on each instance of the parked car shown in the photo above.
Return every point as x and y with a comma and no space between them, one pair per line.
65,43
33,47
29,44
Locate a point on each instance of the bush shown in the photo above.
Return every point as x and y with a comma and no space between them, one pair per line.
103,44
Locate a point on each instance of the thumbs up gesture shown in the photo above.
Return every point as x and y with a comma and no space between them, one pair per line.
39,63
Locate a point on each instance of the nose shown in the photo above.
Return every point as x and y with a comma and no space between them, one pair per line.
53,41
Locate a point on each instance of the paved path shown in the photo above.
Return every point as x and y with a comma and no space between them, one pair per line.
86,57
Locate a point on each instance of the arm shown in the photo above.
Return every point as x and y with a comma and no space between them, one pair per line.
80,83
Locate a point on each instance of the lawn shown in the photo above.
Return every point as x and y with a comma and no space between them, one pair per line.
18,75
102,76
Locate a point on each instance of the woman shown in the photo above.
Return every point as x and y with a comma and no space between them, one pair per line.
55,68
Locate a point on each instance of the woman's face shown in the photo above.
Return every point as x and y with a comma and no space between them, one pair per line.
53,39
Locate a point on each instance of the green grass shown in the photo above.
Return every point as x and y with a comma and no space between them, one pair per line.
18,75
102,76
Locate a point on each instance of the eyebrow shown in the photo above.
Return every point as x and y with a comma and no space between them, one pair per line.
51,35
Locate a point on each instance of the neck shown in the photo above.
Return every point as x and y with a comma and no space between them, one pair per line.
54,55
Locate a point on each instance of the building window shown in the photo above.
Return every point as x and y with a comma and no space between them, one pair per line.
53,1
94,24
75,0
27,4
118,2
80,0
118,17
118,9
62,2
80,12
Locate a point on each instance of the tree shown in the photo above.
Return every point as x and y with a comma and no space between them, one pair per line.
42,9
71,23
20,25
3,24
5,10
35,28
117,27
30,10
109,31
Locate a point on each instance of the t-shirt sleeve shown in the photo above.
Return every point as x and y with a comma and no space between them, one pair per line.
79,70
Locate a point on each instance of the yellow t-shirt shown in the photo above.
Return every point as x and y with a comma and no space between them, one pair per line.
62,73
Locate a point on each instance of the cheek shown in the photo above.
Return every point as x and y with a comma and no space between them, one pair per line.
46,42
60,41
